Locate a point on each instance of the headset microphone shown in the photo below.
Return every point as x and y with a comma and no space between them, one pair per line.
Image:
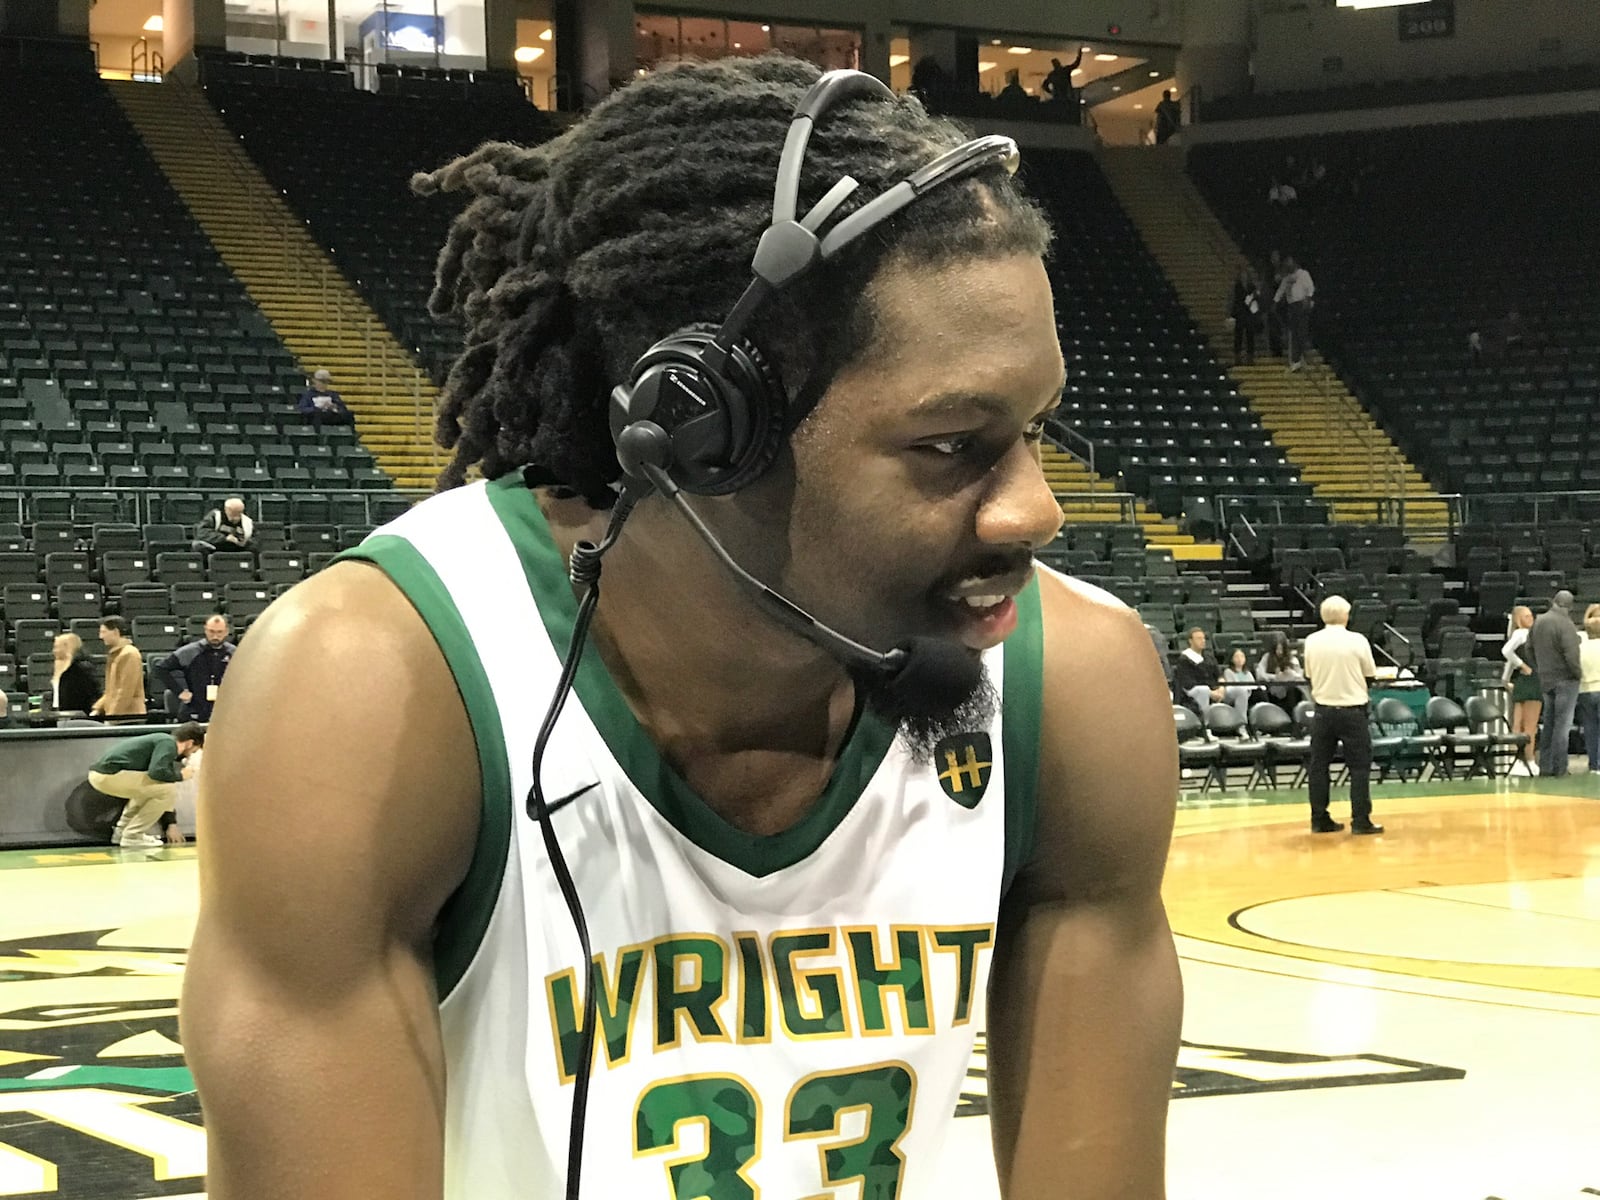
908,676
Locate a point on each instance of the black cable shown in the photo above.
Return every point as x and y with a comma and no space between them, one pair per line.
585,572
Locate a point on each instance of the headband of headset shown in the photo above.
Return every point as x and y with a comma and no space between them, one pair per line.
667,415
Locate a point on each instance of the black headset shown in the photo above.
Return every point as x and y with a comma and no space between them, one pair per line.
704,412
704,405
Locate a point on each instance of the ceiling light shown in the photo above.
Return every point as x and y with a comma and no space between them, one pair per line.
738,45
527,54
155,24
766,29
986,66
1138,106
1105,58
1155,74
1116,87
995,42
545,36
899,60
1087,49
1019,49
1077,70
1376,3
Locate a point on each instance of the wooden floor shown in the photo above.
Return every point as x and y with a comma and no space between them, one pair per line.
1413,1016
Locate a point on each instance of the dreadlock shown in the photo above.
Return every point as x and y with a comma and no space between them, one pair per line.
573,257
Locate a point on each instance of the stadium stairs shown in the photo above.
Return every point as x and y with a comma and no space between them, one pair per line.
1070,475
311,306
1311,415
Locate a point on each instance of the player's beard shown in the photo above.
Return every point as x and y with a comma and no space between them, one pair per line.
948,702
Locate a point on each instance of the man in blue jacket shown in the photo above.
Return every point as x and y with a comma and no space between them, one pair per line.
321,405
194,672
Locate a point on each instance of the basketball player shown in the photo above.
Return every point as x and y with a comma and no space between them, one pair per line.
799,881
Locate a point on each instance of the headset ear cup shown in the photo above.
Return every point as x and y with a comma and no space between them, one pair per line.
752,383
726,426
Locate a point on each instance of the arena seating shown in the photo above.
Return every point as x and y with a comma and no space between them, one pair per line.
1141,383
138,385
1417,238
345,161
1392,93
129,355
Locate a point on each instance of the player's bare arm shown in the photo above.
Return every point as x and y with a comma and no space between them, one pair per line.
1085,999
309,1016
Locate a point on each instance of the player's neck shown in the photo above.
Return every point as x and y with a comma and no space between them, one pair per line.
750,715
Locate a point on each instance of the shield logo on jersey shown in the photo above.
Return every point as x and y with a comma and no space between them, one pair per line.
964,763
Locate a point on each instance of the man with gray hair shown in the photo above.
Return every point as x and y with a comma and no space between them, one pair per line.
1338,664
1553,646
225,530
320,405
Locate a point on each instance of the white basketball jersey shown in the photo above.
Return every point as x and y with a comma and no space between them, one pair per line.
786,1016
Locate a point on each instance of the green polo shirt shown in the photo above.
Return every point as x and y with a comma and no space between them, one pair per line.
156,754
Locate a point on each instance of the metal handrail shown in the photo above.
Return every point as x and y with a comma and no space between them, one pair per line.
144,498
1537,498
139,53
1127,504
1455,505
1233,538
1064,433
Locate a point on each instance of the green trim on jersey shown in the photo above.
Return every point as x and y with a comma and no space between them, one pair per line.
1023,700
864,749
464,919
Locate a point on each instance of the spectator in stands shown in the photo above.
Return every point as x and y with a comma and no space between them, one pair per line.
932,83
145,771
320,405
1338,666
1169,118
1519,678
1063,93
1510,333
1277,314
1297,292
1553,645
1280,670
1589,686
1013,94
1240,681
193,673
1282,194
1196,675
73,686
1244,314
1475,348
226,529
124,690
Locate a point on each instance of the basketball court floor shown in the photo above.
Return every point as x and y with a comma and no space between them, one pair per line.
1413,1016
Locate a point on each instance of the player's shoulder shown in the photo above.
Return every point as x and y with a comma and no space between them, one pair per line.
1082,619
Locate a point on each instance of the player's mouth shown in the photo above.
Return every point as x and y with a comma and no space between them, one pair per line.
984,611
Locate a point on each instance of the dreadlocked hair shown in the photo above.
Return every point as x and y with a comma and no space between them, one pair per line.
574,257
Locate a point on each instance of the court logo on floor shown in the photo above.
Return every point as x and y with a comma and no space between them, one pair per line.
96,1102
964,763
